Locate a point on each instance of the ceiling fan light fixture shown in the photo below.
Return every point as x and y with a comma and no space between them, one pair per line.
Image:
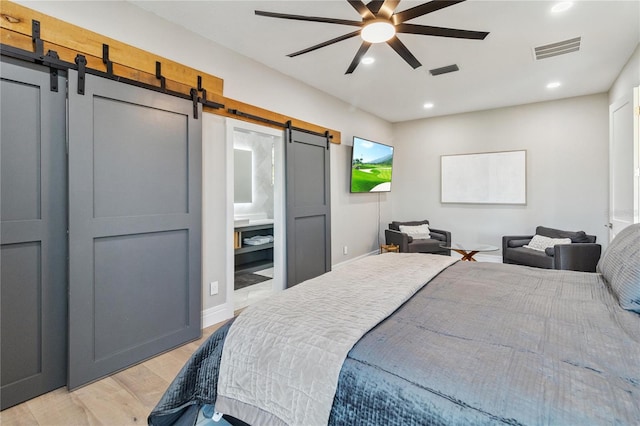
377,31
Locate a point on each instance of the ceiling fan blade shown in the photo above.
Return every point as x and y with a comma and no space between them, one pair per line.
326,43
359,54
440,32
387,9
308,18
374,6
423,9
402,50
362,9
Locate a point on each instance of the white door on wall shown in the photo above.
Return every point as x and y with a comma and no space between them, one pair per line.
623,164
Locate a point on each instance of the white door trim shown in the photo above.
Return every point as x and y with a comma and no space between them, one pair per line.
623,186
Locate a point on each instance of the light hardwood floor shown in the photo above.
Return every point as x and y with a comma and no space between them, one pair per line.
125,398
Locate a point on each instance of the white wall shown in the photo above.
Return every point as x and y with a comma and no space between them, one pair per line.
354,217
567,168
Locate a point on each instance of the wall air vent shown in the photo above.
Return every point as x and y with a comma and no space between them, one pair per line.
555,49
444,70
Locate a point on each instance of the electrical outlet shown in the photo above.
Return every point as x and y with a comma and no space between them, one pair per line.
345,250
213,288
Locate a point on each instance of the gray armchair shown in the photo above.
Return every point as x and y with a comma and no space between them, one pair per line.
581,255
424,245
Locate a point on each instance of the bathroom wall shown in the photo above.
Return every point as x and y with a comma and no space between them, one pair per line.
262,147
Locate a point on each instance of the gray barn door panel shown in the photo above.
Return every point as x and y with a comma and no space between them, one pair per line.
308,206
134,226
33,224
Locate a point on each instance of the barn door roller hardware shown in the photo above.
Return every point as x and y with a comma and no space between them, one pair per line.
106,60
202,89
203,99
163,81
38,45
81,62
38,50
53,72
194,99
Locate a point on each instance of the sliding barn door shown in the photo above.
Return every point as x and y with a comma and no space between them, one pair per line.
308,206
134,226
33,232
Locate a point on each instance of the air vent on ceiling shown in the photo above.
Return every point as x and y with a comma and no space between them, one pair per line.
555,49
444,70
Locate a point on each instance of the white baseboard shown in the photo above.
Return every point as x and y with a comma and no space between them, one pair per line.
216,314
346,262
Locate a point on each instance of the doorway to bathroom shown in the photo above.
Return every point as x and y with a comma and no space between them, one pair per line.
256,211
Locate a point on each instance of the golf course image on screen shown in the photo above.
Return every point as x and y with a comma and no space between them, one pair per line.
371,166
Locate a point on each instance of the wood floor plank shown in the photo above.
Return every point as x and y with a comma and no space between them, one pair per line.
101,398
166,366
60,407
19,415
143,384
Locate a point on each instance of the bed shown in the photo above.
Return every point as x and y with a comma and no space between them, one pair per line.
456,343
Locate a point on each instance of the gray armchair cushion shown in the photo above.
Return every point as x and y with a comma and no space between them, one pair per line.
576,237
529,257
439,237
425,246
518,243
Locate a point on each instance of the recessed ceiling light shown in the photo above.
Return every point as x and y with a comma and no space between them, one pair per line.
562,6
428,105
553,85
368,60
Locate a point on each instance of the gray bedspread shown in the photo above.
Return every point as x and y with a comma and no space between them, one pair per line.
480,344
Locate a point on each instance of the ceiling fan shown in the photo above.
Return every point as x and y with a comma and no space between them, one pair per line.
380,23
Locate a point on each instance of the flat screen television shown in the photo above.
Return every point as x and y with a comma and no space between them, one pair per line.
371,166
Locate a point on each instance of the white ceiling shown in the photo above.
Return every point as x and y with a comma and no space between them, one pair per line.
495,72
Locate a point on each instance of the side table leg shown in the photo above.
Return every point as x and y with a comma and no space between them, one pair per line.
469,256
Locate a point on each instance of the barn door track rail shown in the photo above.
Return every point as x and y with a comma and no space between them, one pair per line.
286,125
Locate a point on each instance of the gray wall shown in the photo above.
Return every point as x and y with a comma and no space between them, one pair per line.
567,144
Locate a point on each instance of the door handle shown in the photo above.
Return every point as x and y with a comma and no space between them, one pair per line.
609,225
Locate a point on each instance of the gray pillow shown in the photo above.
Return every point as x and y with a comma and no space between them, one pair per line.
620,266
